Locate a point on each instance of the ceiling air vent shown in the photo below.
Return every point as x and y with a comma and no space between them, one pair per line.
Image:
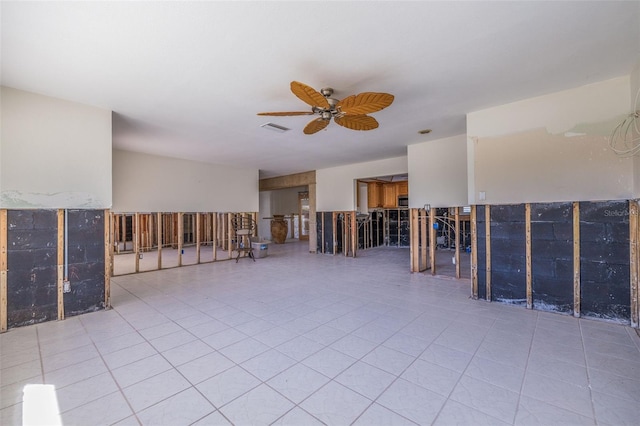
275,127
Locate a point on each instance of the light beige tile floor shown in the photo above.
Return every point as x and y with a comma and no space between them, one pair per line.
303,339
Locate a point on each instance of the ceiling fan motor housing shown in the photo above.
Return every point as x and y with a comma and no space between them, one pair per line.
326,91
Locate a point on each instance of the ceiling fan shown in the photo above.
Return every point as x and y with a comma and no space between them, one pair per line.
351,112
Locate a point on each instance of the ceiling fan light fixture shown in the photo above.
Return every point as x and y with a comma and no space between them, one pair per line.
275,127
424,132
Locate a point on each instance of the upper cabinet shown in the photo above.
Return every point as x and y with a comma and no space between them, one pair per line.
385,195
403,188
390,195
374,195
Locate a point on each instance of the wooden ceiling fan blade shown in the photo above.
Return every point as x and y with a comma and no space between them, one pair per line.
357,122
309,95
286,113
365,103
315,126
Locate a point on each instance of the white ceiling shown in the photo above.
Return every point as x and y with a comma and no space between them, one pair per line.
186,79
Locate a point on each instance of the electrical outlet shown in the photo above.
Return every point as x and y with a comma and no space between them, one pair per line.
66,287
482,196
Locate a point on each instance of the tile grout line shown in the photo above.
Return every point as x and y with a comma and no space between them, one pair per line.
586,363
526,369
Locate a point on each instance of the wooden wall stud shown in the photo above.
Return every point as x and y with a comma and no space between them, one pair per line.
529,284
108,257
576,259
474,253
424,238
634,263
487,210
432,240
354,234
136,240
334,221
457,234
414,245
61,277
198,237
160,239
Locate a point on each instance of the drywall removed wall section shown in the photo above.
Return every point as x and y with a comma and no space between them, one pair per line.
143,182
86,262
550,148
438,172
589,275
552,257
36,266
336,186
604,260
55,153
507,248
32,294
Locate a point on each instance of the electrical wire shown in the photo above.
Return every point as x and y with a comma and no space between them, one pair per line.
625,137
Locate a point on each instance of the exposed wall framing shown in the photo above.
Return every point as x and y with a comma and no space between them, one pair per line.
159,238
420,240
34,263
576,258
178,238
424,240
432,240
415,240
337,233
198,236
136,240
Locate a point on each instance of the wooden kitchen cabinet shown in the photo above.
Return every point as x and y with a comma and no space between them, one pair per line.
403,188
385,195
390,195
374,195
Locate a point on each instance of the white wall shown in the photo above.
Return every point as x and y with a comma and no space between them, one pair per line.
550,148
363,202
335,186
54,153
634,105
285,201
150,183
438,172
